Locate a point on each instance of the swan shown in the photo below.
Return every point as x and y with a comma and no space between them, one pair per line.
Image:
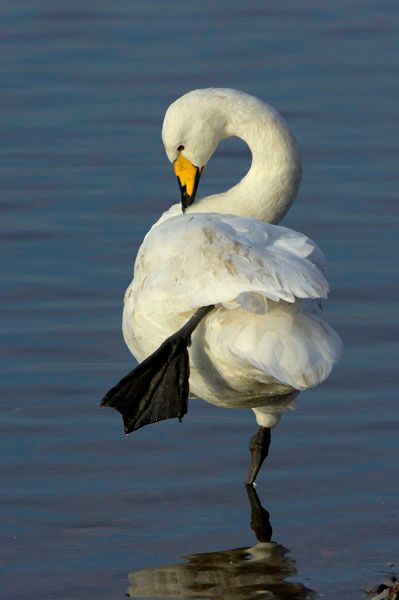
226,305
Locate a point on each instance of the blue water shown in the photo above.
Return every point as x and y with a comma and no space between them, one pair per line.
84,86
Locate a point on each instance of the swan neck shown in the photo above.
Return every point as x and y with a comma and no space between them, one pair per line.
269,188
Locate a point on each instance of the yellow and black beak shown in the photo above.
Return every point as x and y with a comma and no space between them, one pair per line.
188,177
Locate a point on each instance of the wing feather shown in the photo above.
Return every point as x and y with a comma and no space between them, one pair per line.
194,260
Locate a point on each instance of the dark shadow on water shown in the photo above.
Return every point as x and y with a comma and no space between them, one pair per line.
258,571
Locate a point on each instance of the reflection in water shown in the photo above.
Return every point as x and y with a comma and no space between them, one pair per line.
239,574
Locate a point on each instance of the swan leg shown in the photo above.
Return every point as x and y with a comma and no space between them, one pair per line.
157,389
259,448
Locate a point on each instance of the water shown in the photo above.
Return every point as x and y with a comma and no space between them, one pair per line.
86,511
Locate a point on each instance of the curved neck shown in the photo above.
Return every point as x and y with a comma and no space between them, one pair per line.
269,188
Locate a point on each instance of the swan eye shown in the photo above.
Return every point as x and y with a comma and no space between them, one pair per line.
180,148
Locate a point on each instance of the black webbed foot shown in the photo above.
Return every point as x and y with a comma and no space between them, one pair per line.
155,390
158,388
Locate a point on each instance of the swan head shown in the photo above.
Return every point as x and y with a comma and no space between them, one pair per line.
192,128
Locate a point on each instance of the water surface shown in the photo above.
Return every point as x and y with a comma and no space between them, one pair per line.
83,176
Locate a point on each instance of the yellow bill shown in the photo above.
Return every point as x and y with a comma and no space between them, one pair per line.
188,177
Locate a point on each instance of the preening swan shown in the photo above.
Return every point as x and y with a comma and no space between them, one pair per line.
218,273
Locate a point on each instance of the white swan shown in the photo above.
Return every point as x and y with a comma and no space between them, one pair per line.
260,336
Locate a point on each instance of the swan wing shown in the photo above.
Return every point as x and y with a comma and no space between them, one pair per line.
192,260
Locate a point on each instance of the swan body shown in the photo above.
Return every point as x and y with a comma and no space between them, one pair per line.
266,338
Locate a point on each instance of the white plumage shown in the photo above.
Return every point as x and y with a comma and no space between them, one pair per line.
266,339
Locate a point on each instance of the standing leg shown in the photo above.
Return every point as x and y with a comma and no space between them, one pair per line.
259,447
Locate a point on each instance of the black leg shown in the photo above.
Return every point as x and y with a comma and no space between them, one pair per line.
259,447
